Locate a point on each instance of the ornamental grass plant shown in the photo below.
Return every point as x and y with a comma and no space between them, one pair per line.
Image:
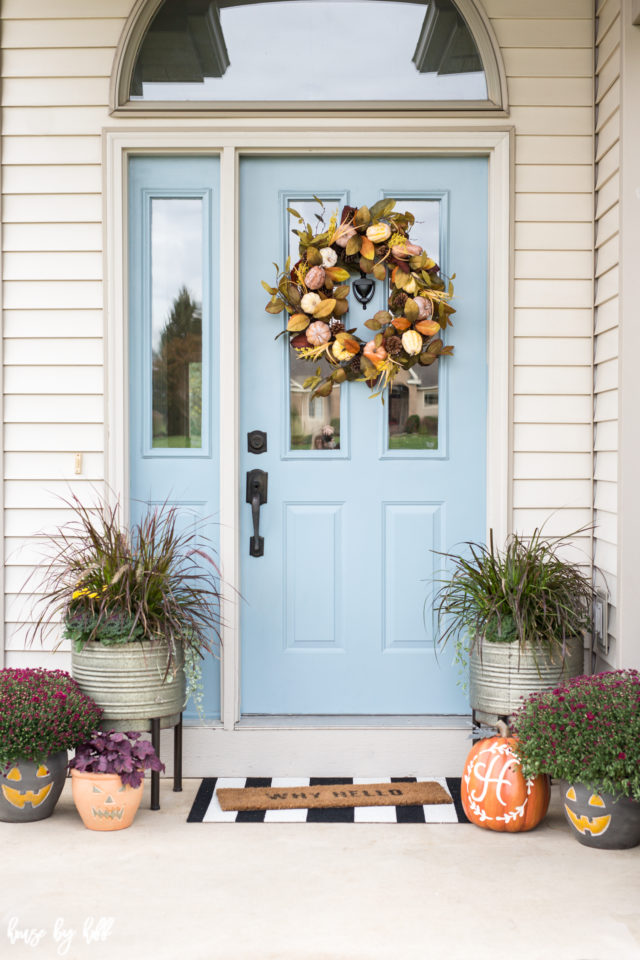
524,594
113,584
586,731
42,712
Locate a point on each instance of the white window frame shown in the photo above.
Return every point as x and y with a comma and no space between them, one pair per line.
471,12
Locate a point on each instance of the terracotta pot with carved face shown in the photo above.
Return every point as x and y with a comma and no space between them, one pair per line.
598,820
103,801
29,791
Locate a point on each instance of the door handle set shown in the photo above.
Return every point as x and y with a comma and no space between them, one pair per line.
256,496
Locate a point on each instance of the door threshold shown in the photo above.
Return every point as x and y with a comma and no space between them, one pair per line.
354,722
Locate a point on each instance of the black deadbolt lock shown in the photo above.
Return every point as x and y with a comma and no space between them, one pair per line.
257,441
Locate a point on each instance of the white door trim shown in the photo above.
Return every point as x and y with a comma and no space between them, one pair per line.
231,138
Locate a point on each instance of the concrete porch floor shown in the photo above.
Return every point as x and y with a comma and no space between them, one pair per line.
313,892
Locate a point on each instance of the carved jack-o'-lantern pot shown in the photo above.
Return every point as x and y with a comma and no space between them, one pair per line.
599,820
30,790
103,801
495,794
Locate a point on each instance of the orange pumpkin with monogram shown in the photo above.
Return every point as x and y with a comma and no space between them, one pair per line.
495,794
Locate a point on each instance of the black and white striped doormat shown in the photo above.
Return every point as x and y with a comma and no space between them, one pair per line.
206,808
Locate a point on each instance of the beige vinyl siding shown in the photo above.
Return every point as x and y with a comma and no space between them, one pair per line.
549,69
57,62
57,59
607,152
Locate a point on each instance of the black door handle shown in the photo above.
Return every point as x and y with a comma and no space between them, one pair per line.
256,496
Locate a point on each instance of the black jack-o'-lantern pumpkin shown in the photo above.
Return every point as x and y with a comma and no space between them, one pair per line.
599,820
29,791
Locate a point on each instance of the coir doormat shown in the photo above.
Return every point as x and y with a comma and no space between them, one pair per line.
409,807
402,794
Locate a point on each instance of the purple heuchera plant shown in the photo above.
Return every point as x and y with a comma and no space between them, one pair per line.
114,752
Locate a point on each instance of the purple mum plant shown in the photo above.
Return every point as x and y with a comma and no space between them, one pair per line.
42,712
587,731
113,752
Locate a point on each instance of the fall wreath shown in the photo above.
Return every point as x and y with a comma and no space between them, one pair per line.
315,294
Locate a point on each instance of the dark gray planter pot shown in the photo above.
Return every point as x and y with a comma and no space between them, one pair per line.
29,791
131,684
501,675
597,820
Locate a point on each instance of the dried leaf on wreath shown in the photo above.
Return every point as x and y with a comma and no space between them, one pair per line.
275,306
426,359
400,324
337,274
370,372
298,322
365,265
342,292
435,347
353,245
382,316
324,308
382,208
348,342
362,217
314,257
340,308
293,294
411,310
323,390
294,213
400,278
367,249
269,288
373,324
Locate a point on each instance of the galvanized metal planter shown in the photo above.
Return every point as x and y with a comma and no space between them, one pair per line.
501,674
130,682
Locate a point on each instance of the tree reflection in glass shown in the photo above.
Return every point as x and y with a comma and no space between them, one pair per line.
177,377
176,322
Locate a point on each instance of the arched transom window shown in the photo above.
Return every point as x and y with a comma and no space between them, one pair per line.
286,53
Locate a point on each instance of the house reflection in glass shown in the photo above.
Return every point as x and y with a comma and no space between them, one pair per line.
413,409
315,421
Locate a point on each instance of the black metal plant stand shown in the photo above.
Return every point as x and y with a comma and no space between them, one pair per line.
177,760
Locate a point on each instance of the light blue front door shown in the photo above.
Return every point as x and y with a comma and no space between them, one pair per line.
335,616
173,348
